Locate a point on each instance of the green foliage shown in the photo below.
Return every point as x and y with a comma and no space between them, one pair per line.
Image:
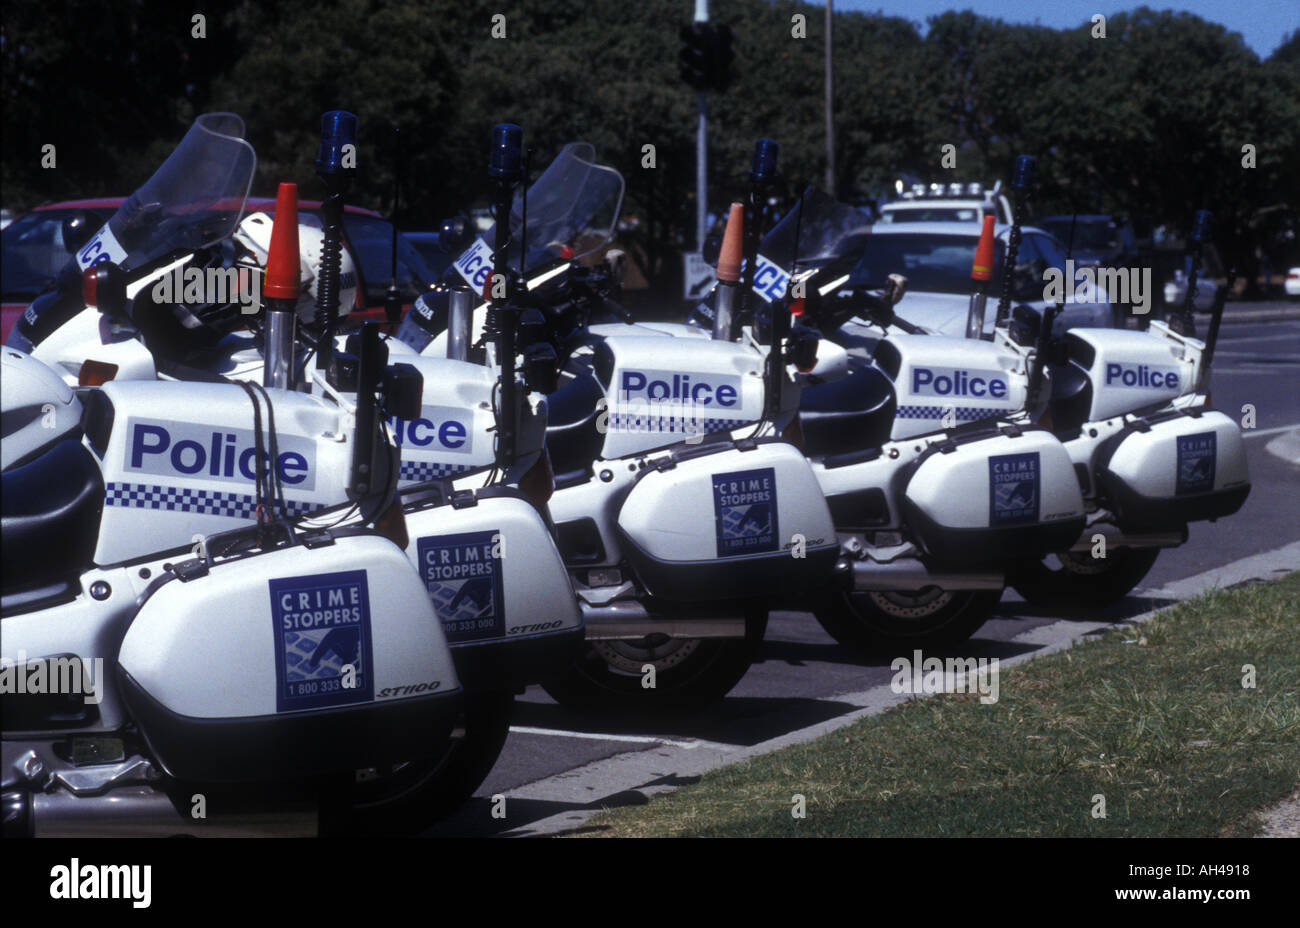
1150,120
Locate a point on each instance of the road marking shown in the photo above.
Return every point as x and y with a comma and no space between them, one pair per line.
1257,369
634,739
1260,433
1226,340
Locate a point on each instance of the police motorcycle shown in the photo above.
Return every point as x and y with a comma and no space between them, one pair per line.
929,512
485,555
675,546
1132,408
280,677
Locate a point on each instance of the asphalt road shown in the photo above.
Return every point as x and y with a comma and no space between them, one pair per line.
803,669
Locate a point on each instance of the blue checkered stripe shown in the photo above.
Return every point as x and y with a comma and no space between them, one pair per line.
960,413
633,422
181,499
429,470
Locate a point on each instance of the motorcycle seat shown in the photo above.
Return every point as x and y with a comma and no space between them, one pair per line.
49,517
573,437
848,414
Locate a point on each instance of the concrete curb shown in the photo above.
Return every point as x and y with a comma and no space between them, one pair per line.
1280,314
661,770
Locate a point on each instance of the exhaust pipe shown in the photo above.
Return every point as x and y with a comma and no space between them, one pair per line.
142,811
1117,538
909,574
460,312
620,621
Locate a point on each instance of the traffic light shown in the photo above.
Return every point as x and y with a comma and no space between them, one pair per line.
721,59
706,56
694,56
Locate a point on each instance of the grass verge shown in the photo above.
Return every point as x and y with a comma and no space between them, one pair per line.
1152,716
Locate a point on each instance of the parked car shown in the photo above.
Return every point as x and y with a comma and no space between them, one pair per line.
426,243
948,203
1098,240
34,251
1292,283
936,257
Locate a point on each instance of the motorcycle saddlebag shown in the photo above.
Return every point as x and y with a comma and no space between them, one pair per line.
988,494
728,520
240,672
497,583
1175,467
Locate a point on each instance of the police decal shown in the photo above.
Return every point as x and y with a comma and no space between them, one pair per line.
323,653
463,575
744,504
1196,455
225,454
1014,484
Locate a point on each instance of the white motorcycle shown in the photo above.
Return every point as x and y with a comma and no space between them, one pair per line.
486,557
282,678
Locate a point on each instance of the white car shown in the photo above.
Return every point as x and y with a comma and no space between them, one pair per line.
1292,282
936,258
951,203
1176,292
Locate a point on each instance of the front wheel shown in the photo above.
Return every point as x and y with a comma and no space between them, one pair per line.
409,797
688,673
1081,578
891,623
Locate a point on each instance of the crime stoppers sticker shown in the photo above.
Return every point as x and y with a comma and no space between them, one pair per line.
322,640
744,503
464,582
1014,482
1196,454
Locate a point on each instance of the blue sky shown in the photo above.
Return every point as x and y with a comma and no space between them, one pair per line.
1262,23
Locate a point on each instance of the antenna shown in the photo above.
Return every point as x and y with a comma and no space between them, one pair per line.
1021,182
506,169
335,165
393,299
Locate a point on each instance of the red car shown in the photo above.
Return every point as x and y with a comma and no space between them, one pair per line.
34,252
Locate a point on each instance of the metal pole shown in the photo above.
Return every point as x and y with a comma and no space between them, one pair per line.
701,149
830,111
701,175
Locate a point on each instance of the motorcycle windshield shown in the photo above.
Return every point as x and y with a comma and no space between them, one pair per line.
573,208
194,200
826,232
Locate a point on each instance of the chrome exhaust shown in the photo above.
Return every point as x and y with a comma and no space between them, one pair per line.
909,574
142,811
619,621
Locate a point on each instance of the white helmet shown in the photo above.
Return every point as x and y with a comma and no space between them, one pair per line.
39,408
254,234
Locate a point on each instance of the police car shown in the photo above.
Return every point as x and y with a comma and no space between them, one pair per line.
947,203
936,257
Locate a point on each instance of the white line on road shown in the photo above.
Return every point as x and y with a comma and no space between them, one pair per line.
635,739
1260,433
